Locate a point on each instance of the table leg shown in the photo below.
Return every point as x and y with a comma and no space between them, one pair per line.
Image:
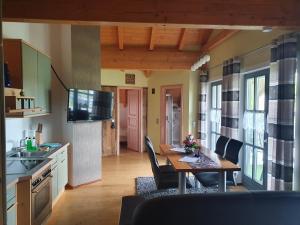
181,183
222,181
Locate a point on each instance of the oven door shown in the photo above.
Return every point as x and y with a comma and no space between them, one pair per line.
41,201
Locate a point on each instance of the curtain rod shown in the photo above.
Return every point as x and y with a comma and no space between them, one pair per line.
245,54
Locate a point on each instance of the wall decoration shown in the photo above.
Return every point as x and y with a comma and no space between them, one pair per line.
129,78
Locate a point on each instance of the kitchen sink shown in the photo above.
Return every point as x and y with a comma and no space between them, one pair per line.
28,154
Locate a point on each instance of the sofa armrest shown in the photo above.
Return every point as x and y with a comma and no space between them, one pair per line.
129,203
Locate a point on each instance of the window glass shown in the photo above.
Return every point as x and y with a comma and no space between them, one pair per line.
260,93
250,94
215,113
249,161
259,165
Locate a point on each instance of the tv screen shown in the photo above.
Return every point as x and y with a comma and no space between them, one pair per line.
89,105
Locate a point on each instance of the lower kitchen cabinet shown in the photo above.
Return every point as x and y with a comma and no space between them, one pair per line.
11,206
59,172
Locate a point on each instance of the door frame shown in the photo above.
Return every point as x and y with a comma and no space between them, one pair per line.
250,183
163,91
140,124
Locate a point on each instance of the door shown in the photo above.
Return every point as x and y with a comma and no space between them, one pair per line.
169,119
133,137
255,132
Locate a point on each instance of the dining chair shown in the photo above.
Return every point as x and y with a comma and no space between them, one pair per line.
164,175
221,145
208,179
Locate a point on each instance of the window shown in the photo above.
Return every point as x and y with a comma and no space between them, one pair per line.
254,123
215,115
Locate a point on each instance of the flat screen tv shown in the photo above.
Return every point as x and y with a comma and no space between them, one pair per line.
89,105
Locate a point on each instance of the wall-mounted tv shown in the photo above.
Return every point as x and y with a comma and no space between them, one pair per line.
89,105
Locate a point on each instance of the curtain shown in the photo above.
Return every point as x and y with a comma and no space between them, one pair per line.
203,100
230,98
281,112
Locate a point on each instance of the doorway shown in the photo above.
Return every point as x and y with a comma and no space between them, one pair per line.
255,130
171,114
130,119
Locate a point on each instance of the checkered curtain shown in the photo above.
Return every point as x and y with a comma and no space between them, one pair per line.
281,112
230,98
202,120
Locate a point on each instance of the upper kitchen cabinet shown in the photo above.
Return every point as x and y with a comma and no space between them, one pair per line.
30,71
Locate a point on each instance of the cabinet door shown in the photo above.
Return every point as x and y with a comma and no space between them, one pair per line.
54,183
62,170
43,82
29,66
12,215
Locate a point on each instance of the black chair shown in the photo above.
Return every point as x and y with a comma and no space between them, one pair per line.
164,175
208,179
220,145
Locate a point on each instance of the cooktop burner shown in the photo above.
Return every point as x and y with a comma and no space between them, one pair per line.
21,166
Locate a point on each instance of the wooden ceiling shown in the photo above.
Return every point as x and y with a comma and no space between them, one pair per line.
157,48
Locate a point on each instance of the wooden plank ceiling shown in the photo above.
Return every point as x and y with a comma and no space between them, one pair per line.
177,12
157,48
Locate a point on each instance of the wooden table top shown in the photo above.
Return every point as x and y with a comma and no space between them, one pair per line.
173,157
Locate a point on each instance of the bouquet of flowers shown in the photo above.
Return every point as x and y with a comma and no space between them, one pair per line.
190,144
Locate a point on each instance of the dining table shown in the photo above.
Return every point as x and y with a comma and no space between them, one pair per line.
208,161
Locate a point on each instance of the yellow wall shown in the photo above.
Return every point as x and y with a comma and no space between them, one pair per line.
189,82
242,43
110,77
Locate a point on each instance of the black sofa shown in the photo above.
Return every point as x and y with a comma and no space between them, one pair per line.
247,208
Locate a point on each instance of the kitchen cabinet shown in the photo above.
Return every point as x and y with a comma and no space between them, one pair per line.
30,71
59,172
43,82
11,206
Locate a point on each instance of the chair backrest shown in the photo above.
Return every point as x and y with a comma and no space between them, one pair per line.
220,145
232,150
152,156
247,208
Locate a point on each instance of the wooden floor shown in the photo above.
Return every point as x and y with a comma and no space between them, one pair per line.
99,203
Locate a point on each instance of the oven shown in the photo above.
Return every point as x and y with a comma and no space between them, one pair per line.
41,197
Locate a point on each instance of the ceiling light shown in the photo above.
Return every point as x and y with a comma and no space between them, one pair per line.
203,60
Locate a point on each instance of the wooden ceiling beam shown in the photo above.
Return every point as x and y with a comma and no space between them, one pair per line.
181,42
141,59
217,40
152,38
205,36
196,12
120,37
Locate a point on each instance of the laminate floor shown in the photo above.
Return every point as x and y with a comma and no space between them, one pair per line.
99,203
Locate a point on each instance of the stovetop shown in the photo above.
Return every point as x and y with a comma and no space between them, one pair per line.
21,166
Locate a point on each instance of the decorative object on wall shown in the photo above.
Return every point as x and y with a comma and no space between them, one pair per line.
202,119
153,91
230,98
129,78
281,112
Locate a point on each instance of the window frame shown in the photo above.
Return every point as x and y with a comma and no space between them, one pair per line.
212,131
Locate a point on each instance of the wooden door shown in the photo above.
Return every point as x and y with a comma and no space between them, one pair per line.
109,133
133,137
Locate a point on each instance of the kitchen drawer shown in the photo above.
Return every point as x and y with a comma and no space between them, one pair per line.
63,155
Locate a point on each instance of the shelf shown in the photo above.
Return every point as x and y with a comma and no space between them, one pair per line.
12,92
25,97
26,116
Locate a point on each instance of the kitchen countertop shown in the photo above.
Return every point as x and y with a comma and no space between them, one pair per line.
16,172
